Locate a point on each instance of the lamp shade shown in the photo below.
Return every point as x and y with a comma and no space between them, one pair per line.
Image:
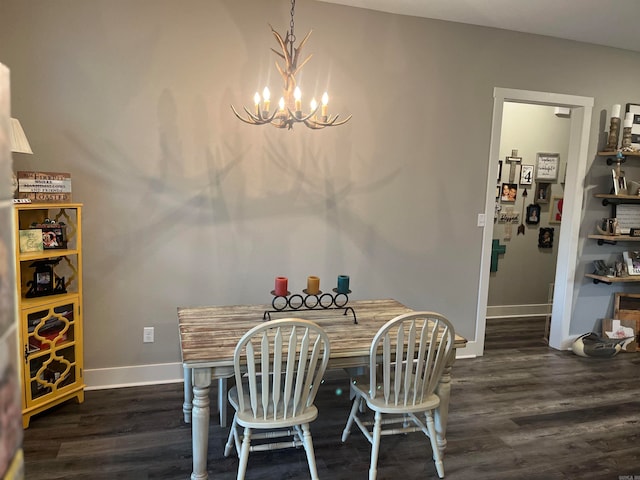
19,142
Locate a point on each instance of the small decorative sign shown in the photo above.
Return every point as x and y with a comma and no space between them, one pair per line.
547,166
31,240
44,186
509,217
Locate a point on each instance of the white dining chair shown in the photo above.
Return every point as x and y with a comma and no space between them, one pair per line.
278,367
407,359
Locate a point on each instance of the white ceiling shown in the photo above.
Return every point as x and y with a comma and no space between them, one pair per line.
614,23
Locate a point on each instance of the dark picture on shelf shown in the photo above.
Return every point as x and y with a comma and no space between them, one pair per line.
53,238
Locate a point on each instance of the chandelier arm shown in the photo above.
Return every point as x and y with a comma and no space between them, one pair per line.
313,125
297,69
332,122
303,119
283,46
250,122
279,54
299,48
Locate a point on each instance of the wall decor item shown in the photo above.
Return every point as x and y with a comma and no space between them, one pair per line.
614,129
547,166
509,216
526,174
521,227
509,192
619,182
496,249
543,191
628,217
533,214
499,179
53,234
31,240
44,187
634,110
555,212
545,238
632,259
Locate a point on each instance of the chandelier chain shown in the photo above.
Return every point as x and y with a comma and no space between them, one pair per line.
291,34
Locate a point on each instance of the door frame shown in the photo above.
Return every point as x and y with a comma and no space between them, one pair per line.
581,112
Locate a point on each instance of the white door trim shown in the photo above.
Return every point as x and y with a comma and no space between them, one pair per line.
569,234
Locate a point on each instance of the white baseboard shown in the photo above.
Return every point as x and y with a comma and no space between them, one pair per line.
508,311
131,376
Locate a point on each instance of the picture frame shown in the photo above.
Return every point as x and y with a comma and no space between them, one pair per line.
543,192
547,165
545,238
533,214
619,182
499,171
526,174
555,211
54,235
498,191
509,192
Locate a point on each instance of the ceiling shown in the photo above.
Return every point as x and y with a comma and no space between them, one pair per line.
610,23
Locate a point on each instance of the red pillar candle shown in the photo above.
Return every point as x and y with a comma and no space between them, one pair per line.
313,285
343,284
281,286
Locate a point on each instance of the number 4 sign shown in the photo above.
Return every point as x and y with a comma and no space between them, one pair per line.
526,175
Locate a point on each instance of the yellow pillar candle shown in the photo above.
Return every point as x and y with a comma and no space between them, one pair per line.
313,285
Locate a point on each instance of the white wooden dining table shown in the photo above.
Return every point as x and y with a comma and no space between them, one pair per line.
209,334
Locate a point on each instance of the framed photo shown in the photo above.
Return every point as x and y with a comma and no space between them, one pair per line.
543,191
509,192
533,214
619,182
53,235
545,238
555,212
498,191
547,166
526,174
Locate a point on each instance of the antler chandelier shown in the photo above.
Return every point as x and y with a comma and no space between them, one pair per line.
289,111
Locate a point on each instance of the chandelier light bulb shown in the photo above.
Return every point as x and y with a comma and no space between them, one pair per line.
297,95
256,100
313,104
266,94
281,104
325,103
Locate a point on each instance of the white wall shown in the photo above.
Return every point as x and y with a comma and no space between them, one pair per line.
184,205
526,271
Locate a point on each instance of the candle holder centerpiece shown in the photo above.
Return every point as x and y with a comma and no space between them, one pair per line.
313,298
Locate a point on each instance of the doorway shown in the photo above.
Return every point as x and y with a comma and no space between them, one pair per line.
567,243
521,279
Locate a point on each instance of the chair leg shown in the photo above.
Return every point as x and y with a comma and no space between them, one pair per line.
352,414
375,446
231,439
437,456
244,454
307,442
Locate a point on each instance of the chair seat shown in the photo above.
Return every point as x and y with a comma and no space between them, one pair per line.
361,386
247,419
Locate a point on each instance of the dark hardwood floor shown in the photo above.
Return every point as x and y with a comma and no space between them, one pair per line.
523,411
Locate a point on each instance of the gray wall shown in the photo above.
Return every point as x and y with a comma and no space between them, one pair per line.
526,271
184,205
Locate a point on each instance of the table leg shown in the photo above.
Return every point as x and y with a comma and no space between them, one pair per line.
441,414
200,419
222,401
187,406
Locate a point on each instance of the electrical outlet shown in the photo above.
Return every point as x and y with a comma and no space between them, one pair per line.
147,336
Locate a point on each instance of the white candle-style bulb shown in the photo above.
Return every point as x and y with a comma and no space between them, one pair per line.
281,104
615,111
325,103
628,120
313,104
297,95
256,100
266,94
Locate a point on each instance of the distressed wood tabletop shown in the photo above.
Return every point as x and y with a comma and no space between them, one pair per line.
208,335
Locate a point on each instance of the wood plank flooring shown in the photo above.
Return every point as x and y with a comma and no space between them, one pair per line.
523,411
